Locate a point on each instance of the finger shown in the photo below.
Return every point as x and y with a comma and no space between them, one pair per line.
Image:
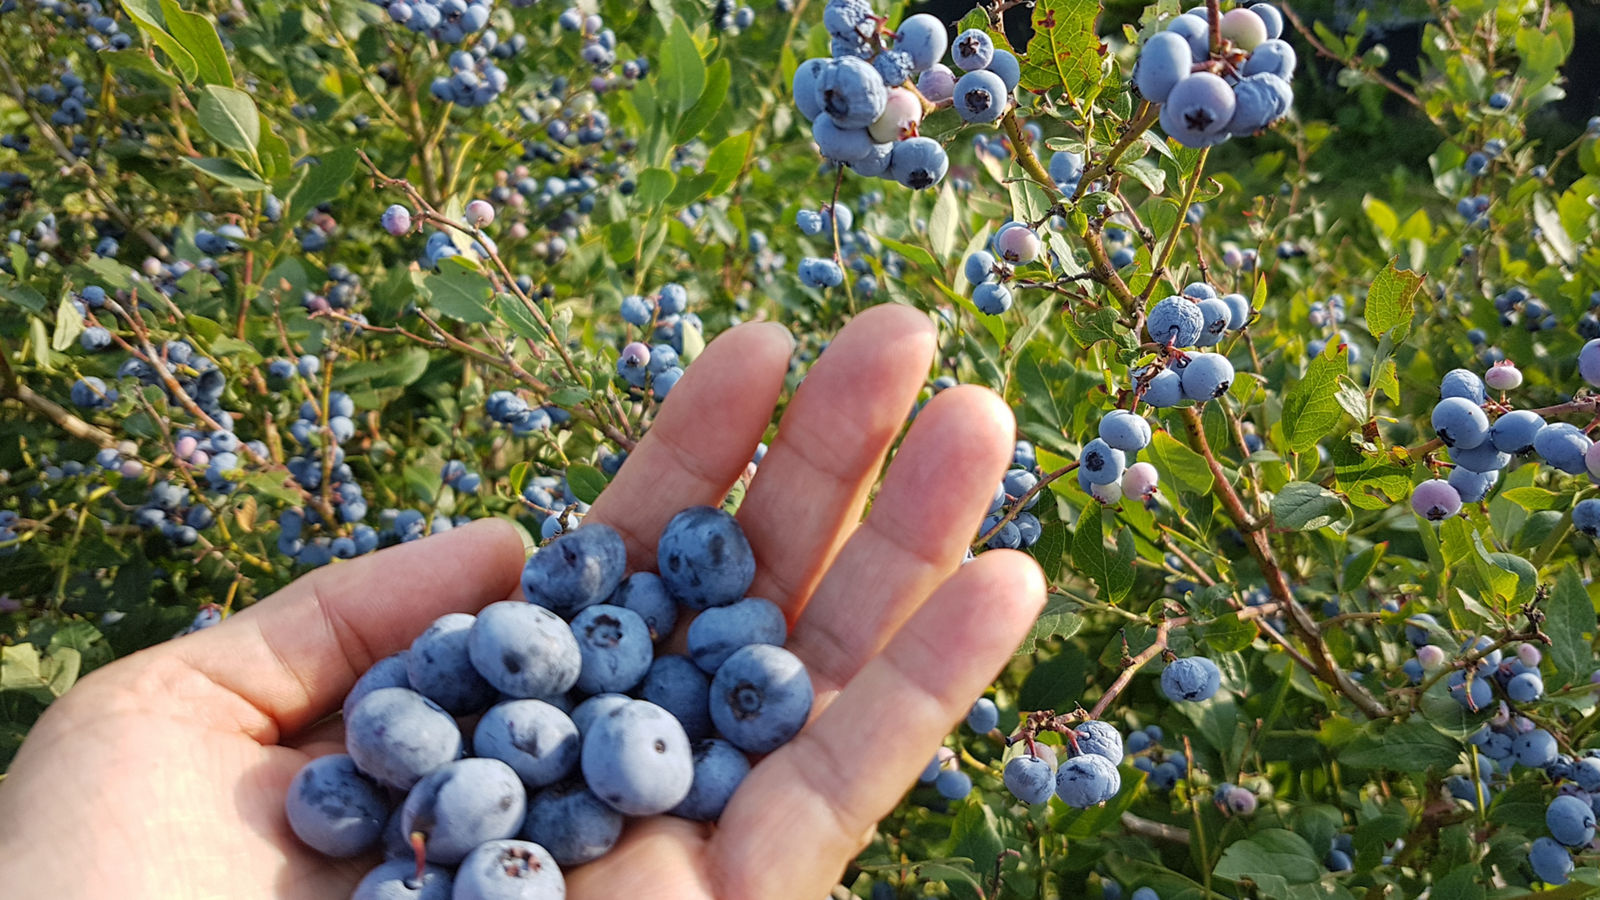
814,481
702,439
817,796
933,498
291,658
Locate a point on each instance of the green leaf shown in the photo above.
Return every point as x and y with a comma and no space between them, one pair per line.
1273,859
712,96
975,833
683,72
44,678
1065,51
1569,619
654,186
1534,499
1389,300
945,223
230,116
324,179
1228,633
1304,506
1056,682
1463,883
1310,410
1112,573
1408,747
147,14
1179,465
586,482
394,370
460,293
69,324
124,61
228,172
516,316
23,296
1054,622
198,36
726,161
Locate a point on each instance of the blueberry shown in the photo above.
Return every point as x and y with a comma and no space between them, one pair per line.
615,647
924,38
537,740
461,805
1085,781
1274,56
1586,517
1570,820
440,668
1030,779
981,96
678,686
1198,110
1471,486
1164,60
704,558
1535,749
396,879
716,633
718,770
637,759
1551,862
851,92
585,713
1175,320
760,697
1525,688
1190,679
524,650
953,784
1460,423
1099,463
397,736
1463,383
1207,376
918,162
973,50
334,809
644,593
991,298
387,672
580,568
1563,446
984,716
509,870
1098,738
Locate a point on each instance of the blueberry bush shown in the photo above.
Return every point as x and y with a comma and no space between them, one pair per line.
1304,411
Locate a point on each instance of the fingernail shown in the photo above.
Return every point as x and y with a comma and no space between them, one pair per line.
783,330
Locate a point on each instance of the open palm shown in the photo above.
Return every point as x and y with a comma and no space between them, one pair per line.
164,774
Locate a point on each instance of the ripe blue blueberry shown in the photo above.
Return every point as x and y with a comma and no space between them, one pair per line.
1100,463
973,50
1096,737
1125,431
570,822
991,298
396,879
1460,422
1085,781
1175,320
760,697
1164,60
1207,376
397,736
1198,110
637,759
524,650
1563,446
1514,432
460,805
719,768
615,647
1586,517
984,716
704,558
1570,820
1190,679
851,92
981,96
440,668
918,162
580,568
677,685
509,870
1030,779
537,740
334,809
1551,862
715,634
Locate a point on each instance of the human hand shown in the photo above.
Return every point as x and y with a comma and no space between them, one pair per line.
164,774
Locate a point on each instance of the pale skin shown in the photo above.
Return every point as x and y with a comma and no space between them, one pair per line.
163,774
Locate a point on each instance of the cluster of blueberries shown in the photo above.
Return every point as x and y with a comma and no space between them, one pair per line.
858,247
666,314
1207,99
446,21
508,409
599,42
863,110
726,17
71,100
474,79
1196,318
103,31
582,718
1480,450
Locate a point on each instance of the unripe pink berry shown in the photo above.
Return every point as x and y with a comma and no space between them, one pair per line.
1017,243
186,447
1503,376
479,213
132,468
1139,480
1530,655
1430,656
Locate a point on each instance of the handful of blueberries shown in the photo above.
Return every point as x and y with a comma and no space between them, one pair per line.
503,746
